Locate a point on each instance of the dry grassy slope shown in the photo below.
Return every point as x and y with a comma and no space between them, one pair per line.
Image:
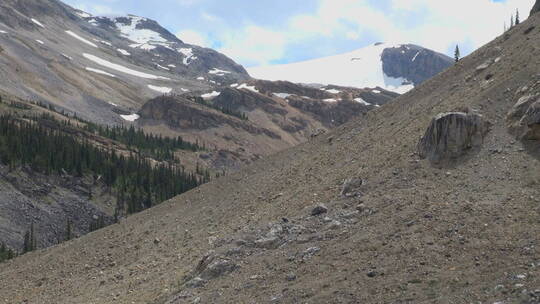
449,235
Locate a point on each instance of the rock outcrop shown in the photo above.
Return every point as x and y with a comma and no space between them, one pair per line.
414,63
451,134
523,120
536,8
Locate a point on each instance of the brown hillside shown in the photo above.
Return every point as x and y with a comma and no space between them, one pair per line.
466,231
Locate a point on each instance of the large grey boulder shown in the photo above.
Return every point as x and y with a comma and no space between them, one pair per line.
452,134
523,120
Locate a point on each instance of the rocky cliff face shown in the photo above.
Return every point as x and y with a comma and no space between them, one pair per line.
181,113
414,63
49,202
536,7
245,121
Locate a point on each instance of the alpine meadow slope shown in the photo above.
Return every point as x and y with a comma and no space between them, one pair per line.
394,228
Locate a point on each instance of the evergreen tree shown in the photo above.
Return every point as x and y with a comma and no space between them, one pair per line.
517,17
457,54
69,228
30,243
6,253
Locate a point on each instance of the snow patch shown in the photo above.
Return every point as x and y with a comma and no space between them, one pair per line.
123,52
414,58
361,101
3,32
282,95
83,14
120,68
140,36
376,91
66,56
210,95
163,90
200,78
234,85
105,42
184,90
100,72
218,72
142,46
39,41
330,100
332,91
162,67
37,22
131,117
72,34
171,65
250,88
189,56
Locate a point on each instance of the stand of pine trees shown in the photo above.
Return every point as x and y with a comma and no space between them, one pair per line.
138,182
155,146
51,146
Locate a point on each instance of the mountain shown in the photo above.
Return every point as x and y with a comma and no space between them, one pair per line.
244,122
394,67
98,67
358,215
113,69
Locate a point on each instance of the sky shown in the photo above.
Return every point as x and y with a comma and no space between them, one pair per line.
267,32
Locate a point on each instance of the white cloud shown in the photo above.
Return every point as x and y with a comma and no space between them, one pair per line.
193,37
440,26
476,22
97,9
254,45
209,17
352,35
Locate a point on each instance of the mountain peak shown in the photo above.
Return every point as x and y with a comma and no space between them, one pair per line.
393,66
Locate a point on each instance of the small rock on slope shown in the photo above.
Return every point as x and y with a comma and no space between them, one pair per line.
523,119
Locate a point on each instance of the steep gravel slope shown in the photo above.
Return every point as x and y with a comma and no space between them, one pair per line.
466,231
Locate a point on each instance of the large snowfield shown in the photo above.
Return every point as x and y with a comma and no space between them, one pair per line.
361,68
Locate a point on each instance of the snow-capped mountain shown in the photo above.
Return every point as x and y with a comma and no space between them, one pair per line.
395,67
100,67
